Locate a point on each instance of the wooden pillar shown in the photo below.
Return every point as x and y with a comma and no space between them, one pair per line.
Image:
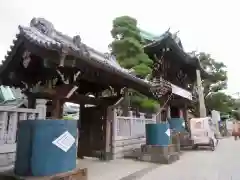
185,117
168,112
78,127
114,132
185,113
181,113
31,102
110,133
81,133
164,115
158,115
57,108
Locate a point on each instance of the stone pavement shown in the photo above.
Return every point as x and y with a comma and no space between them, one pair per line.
222,164
115,170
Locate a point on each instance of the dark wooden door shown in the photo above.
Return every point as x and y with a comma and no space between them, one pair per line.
92,130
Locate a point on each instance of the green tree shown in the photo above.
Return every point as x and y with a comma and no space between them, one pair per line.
221,102
215,99
236,109
127,46
129,52
218,72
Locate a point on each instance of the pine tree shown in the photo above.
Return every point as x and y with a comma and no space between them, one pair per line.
128,49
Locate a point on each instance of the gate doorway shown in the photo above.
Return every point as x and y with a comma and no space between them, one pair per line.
92,132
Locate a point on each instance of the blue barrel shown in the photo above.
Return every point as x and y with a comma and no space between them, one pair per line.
158,134
177,124
40,151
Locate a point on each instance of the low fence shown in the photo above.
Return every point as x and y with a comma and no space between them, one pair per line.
129,133
9,119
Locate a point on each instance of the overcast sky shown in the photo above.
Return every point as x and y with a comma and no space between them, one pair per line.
205,25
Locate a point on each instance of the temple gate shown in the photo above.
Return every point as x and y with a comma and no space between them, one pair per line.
46,64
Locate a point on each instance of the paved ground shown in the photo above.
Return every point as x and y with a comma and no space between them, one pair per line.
222,164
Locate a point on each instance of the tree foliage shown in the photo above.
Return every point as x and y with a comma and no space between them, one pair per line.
128,50
215,99
218,72
127,46
236,110
221,102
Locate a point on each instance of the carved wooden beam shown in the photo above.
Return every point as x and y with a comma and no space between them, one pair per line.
75,98
78,98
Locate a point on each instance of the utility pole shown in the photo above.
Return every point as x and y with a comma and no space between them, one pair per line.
202,107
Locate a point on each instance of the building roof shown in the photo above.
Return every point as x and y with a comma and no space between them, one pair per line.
174,42
41,37
149,36
42,34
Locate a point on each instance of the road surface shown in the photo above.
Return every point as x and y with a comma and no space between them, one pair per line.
222,164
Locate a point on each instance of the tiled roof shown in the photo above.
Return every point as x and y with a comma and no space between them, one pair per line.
42,33
151,37
176,43
57,41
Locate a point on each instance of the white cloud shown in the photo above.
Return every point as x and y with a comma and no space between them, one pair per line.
206,25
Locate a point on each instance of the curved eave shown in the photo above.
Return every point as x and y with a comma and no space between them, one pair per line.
198,65
157,42
10,54
167,41
192,61
96,60
93,57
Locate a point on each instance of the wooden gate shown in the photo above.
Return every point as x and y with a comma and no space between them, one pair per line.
92,132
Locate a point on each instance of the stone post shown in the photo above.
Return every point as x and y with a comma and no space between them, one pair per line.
131,122
41,108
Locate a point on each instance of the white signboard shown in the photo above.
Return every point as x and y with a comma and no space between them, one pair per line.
181,92
168,132
215,116
64,141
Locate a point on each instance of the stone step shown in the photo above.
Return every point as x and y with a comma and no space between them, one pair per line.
158,158
155,149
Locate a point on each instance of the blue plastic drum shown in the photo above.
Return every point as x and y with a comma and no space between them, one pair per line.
45,147
158,134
